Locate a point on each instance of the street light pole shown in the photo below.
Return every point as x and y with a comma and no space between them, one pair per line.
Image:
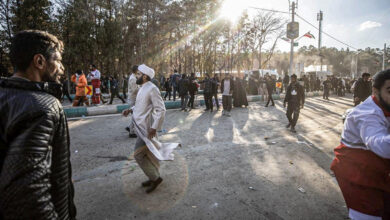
319,18
292,40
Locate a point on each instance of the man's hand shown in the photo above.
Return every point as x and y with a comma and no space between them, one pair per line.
151,133
127,112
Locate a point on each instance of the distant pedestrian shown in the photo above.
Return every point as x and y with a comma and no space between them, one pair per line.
183,91
214,94
95,75
132,91
295,97
286,81
168,89
175,78
192,89
125,85
65,90
362,89
227,89
115,89
208,92
270,88
327,86
239,94
80,81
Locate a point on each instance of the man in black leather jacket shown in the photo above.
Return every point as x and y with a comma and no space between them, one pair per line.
35,170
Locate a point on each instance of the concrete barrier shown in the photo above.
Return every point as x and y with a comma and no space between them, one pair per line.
72,112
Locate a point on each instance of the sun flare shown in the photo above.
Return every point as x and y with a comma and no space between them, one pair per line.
232,9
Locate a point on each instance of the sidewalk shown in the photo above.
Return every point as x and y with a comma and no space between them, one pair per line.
72,112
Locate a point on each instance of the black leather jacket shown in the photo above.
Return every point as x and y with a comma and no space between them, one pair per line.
35,170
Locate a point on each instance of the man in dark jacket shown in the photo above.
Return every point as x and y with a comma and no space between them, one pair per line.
35,170
193,89
207,92
114,87
362,89
183,91
270,88
295,97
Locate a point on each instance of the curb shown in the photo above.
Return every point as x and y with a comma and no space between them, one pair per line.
72,112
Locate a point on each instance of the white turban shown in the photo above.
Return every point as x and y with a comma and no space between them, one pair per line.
146,70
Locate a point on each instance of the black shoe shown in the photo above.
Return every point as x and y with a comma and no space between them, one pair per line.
127,129
154,185
293,130
266,106
132,136
147,183
288,125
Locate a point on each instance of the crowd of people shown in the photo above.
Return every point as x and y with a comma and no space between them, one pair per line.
36,174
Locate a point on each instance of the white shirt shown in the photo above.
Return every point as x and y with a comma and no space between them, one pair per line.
367,127
95,74
132,90
226,87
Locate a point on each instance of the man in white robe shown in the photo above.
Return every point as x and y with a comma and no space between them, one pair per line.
148,116
132,90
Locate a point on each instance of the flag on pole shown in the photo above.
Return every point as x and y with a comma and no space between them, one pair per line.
309,35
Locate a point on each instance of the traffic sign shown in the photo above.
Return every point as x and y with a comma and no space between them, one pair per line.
88,90
292,30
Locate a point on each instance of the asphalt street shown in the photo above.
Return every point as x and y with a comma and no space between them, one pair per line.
248,166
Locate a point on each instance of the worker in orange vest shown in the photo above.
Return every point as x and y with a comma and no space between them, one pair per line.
81,82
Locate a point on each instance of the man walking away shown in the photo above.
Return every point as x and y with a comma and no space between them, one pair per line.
35,170
175,78
168,89
148,116
183,91
214,94
362,160
115,89
132,91
65,90
95,80
362,89
193,89
270,88
207,92
227,88
295,97
327,85
80,81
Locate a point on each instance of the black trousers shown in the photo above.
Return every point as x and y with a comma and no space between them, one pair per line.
227,102
208,99
168,93
326,94
215,95
270,98
116,93
292,113
192,99
66,93
124,92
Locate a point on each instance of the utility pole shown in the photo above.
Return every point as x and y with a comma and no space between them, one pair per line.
319,18
293,6
384,58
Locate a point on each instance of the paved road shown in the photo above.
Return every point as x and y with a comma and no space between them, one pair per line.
248,166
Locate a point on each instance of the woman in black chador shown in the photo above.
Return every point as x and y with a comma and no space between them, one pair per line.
239,94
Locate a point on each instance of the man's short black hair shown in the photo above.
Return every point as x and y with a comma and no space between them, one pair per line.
365,74
175,71
380,78
93,65
184,76
135,68
294,76
26,44
79,72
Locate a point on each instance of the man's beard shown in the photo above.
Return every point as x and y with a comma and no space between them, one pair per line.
139,81
51,78
382,102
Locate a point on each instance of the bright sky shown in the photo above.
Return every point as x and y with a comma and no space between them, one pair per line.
361,24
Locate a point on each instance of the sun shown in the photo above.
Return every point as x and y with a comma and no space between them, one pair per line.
232,9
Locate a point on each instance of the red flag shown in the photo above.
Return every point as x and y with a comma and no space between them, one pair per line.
309,35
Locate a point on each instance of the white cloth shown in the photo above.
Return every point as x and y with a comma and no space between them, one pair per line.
95,74
149,112
132,90
146,70
366,127
226,87
355,215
